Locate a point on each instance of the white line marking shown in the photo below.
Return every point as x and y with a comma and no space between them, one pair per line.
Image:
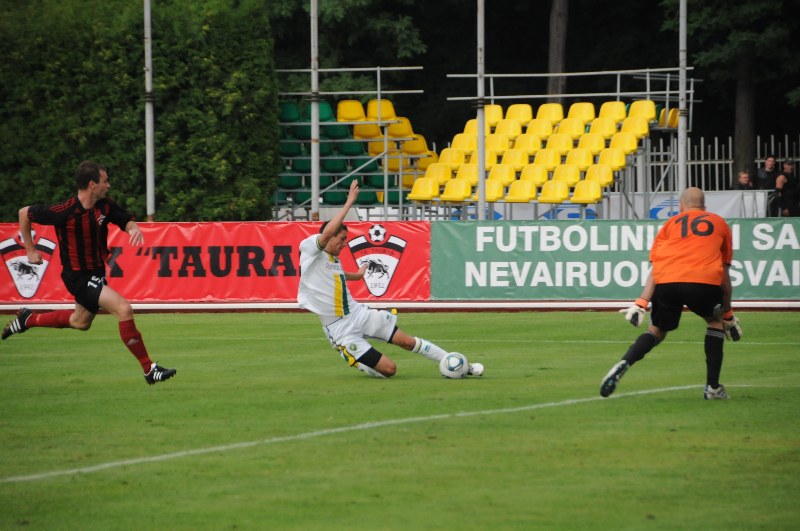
322,433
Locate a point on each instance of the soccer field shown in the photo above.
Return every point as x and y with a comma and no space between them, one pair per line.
265,427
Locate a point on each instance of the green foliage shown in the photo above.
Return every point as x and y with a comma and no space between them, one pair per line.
73,89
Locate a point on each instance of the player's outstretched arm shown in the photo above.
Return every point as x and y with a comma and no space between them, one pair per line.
27,237
333,225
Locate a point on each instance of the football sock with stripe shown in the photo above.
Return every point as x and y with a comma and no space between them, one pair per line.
133,340
428,349
643,344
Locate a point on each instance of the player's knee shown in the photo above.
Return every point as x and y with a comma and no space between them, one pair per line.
83,326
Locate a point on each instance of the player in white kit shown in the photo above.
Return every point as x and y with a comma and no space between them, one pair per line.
346,322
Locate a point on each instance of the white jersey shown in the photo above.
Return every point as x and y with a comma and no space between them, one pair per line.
323,288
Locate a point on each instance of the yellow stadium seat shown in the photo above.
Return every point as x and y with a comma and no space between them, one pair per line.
549,158
569,173
561,142
521,192
409,176
376,147
551,111
672,118
614,110
625,141
468,172
426,160
516,158
489,158
424,189
613,157
604,126
594,142
583,110
395,162
439,172
645,108
554,192
365,131
453,157
400,128
637,125
536,173
380,108
466,142
504,173
416,146
350,111
509,127
521,113
493,191
540,126
528,142
587,192
601,173
456,191
497,141
580,157
574,127
492,113
471,127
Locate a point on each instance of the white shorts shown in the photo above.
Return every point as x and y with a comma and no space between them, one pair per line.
348,334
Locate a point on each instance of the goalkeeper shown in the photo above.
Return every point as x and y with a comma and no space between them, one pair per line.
690,259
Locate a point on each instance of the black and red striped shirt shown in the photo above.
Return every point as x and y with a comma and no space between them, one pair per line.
82,234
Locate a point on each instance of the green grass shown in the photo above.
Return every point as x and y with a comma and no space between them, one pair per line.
85,444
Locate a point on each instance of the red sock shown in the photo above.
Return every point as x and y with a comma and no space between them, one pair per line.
54,319
133,340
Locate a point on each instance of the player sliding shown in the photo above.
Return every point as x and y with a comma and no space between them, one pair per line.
323,291
691,256
81,224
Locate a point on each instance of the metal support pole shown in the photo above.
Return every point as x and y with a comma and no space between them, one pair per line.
314,113
481,214
682,110
148,116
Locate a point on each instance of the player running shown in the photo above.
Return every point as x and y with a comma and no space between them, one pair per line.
690,259
81,224
323,291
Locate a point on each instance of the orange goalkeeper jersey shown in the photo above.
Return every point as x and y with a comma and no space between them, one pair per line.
692,246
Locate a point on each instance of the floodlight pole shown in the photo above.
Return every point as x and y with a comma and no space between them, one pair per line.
148,116
683,112
481,117
314,113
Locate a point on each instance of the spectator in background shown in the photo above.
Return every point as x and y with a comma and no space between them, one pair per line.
743,181
766,179
786,191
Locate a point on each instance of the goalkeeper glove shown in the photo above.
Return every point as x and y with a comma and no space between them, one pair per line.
635,313
733,330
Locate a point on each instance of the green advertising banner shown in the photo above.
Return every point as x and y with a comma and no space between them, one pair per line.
595,259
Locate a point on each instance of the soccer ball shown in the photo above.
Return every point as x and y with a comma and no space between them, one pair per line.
376,233
454,365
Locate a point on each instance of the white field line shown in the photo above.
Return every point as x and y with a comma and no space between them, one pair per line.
321,433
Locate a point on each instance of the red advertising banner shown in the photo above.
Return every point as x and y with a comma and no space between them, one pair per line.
225,262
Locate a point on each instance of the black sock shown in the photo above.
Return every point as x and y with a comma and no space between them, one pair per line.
713,347
643,344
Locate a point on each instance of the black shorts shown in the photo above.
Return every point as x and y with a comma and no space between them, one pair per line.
85,286
669,299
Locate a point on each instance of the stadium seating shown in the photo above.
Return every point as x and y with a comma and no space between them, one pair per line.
382,109
614,110
400,128
528,142
468,172
453,157
416,146
522,113
351,149
541,127
625,141
536,173
456,190
350,111
594,142
644,108
290,181
441,173
551,111
637,125
427,159
498,142
549,158
554,192
587,192
509,127
466,142
325,111
580,157
582,110
493,191
366,131
505,173
516,158
601,173
573,127
560,142
568,173
613,157
669,119
471,127
521,191
492,113
424,189
364,165
604,126
289,111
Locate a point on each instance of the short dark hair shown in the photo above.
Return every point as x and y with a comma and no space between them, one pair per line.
88,171
342,227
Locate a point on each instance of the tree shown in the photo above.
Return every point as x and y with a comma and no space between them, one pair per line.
750,45
559,16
